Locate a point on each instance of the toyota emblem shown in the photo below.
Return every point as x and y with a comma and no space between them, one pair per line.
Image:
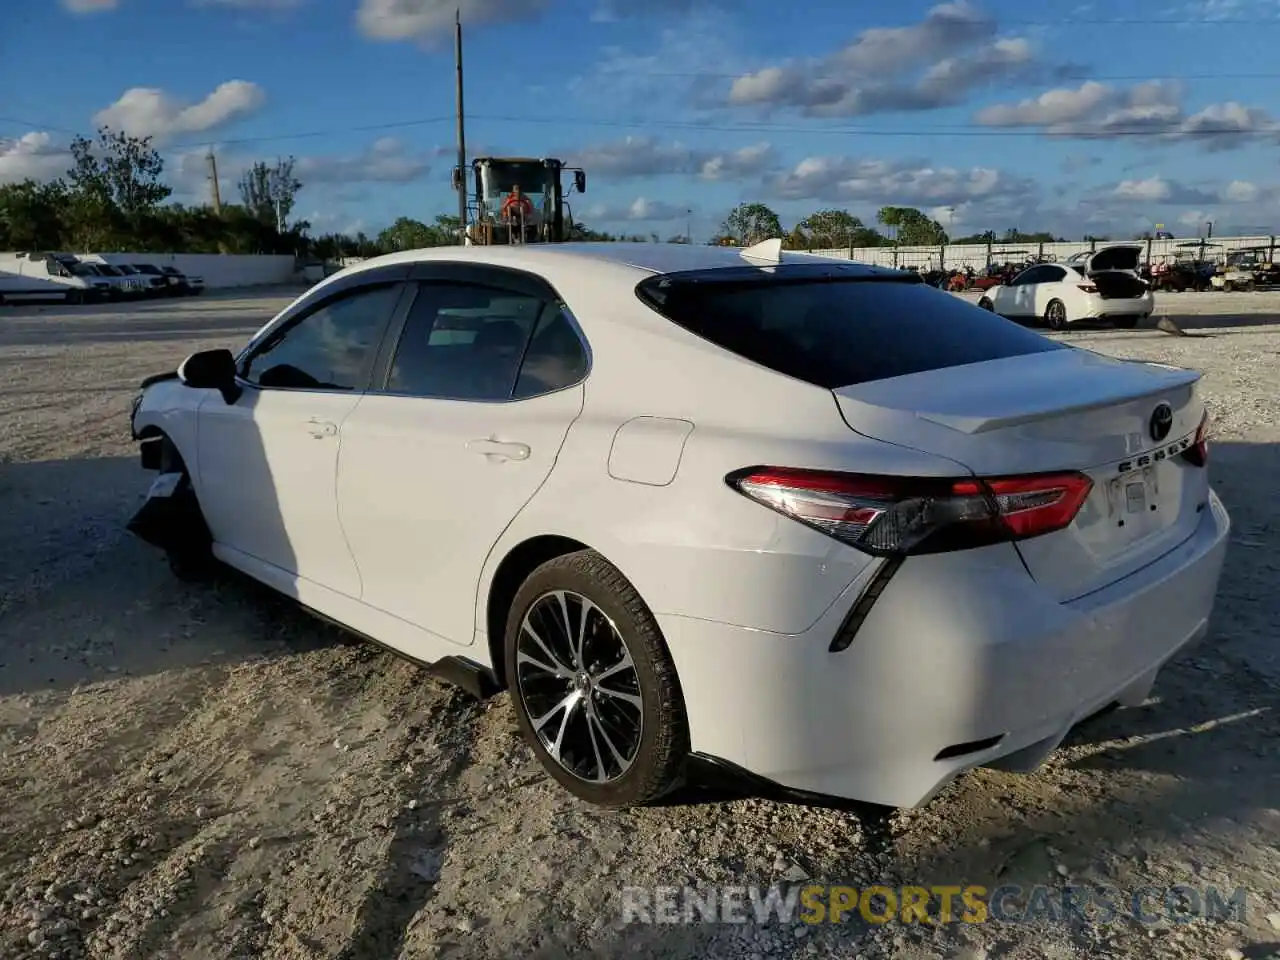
1161,422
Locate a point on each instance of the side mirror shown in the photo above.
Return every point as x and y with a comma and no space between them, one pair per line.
580,180
211,370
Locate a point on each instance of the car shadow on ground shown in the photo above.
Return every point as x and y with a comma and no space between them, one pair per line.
83,600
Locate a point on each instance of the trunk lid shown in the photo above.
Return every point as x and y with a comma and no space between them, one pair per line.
1067,409
1114,271
1120,257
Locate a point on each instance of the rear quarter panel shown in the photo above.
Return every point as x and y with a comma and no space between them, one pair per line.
693,546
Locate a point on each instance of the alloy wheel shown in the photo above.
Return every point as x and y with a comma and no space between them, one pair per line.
579,687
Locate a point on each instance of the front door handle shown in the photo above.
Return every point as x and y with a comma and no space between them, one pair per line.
321,428
500,450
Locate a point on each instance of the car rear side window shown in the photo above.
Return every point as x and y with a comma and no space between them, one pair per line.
555,358
840,332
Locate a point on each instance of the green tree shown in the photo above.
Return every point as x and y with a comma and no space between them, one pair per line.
118,170
914,229
31,216
827,229
269,192
750,223
407,234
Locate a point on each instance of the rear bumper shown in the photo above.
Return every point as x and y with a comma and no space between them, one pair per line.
1099,309
971,661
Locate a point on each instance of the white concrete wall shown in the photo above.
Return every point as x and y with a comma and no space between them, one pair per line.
218,270
975,254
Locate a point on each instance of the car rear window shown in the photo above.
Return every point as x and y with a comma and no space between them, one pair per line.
838,332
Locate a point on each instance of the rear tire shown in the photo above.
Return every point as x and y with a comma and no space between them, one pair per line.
625,739
986,304
1055,315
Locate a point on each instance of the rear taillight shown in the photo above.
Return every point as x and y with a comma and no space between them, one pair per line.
896,516
1087,287
1198,453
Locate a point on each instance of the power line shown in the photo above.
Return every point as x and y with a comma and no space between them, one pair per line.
1081,131
1083,75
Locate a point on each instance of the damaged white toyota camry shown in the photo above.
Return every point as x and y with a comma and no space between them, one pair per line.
803,522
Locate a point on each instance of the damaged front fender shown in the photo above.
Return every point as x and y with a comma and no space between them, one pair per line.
171,518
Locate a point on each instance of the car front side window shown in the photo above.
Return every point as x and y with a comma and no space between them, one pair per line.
330,347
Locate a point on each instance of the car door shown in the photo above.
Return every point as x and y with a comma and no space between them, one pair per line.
267,463
1048,286
475,400
1021,296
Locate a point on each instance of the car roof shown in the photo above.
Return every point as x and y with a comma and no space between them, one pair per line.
647,258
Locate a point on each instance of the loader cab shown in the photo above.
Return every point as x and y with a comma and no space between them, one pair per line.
540,215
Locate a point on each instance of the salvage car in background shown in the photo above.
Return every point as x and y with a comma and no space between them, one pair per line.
1102,285
815,524
187,284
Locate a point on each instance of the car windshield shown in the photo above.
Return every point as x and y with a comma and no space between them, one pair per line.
107,270
147,269
127,270
837,332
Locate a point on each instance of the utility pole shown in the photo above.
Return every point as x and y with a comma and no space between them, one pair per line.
213,178
462,136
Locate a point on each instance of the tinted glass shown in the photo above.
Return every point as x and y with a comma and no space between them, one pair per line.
463,342
555,358
328,349
841,332
1052,275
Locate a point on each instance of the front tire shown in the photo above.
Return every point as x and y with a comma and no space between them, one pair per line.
1055,315
594,688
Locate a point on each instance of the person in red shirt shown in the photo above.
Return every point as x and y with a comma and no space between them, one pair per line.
517,205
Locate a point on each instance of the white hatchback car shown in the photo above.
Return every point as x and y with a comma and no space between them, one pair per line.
805,522
1103,285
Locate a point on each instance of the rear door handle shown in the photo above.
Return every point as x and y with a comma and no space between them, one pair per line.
496,448
321,428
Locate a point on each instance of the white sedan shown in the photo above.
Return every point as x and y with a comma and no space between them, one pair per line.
803,522
1089,286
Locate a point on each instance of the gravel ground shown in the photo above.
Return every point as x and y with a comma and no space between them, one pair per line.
202,771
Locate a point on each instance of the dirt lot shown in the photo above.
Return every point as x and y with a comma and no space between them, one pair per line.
202,771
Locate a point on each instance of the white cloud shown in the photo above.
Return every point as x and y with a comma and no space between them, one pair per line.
387,160
150,112
648,157
89,6
935,63
641,209
431,19
1050,108
1150,189
853,180
1153,109
32,156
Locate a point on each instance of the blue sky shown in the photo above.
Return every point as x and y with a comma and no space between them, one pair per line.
1062,115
